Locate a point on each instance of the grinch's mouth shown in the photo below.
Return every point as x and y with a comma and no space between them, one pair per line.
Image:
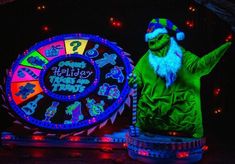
154,40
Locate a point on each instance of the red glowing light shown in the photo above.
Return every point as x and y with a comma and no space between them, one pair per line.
45,28
106,139
115,22
38,138
216,91
37,154
229,38
118,24
74,138
205,148
190,24
182,154
105,156
143,152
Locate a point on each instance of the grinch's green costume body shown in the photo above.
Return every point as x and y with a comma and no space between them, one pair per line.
169,86
178,107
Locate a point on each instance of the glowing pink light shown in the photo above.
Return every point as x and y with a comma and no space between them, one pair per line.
41,7
192,8
7,137
143,152
218,110
106,139
93,119
111,19
124,145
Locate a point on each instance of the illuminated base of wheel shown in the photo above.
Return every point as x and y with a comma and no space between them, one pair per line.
165,149
115,140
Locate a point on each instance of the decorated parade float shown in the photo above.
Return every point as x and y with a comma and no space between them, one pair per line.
68,90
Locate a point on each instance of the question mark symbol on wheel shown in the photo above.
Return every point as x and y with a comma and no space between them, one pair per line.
75,45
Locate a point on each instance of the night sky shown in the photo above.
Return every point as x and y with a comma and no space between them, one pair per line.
22,26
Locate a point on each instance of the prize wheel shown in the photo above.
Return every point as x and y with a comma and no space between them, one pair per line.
67,83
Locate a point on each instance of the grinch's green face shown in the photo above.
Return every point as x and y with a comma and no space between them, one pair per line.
160,42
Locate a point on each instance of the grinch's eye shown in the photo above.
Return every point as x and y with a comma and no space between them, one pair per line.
160,37
152,42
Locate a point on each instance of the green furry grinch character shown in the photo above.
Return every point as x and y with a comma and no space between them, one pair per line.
168,79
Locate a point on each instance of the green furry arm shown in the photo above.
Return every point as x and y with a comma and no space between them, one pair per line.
205,64
208,61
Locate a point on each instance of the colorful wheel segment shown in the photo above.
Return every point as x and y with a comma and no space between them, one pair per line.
69,82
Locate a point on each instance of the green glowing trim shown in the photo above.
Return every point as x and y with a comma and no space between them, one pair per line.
34,54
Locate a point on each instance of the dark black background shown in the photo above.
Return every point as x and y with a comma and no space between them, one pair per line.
21,27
